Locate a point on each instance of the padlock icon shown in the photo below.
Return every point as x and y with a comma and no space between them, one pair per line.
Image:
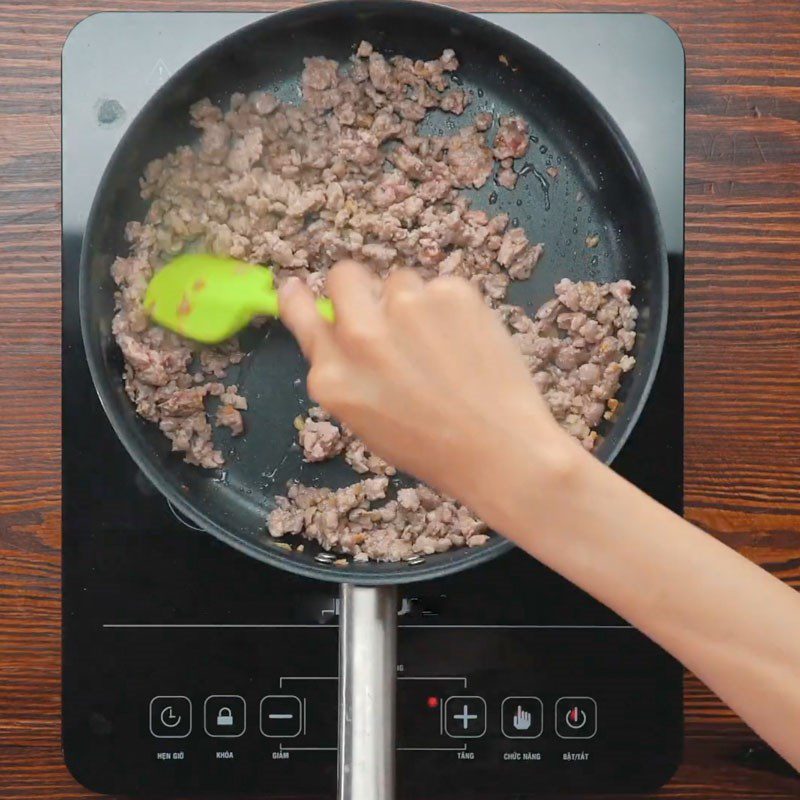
224,717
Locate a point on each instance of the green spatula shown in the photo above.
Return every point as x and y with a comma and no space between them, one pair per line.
210,299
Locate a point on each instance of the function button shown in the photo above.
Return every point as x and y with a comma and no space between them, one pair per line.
576,717
170,717
522,717
224,716
465,717
281,716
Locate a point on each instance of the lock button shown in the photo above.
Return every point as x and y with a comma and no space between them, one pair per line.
224,716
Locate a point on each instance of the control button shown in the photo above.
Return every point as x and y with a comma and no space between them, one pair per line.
465,717
170,717
522,717
281,716
224,716
576,717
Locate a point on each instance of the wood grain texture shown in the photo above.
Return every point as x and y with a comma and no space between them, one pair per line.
742,347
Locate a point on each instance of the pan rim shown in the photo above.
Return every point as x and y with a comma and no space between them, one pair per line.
371,573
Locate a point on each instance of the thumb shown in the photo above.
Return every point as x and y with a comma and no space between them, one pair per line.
298,311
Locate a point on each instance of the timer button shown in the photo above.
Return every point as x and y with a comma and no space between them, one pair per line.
170,717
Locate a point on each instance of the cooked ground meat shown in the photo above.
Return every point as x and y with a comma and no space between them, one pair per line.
577,347
512,139
362,460
230,417
419,521
347,173
507,178
483,121
469,158
321,439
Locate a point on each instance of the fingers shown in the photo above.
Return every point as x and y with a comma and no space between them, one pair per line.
354,291
454,291
403,280
402,290
300,315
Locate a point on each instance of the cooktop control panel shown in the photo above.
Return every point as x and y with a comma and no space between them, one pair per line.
521,706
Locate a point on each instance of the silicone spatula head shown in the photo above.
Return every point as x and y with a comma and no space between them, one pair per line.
209,299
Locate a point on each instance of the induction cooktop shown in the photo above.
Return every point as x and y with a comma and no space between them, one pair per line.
188,668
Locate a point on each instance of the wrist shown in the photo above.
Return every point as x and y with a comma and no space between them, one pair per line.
525,477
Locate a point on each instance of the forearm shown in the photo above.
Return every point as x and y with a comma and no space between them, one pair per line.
727,620
426,374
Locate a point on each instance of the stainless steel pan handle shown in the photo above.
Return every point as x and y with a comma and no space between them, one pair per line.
367,678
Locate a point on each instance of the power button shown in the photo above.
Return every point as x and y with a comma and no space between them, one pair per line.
576,717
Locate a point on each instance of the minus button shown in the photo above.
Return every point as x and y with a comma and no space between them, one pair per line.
281,716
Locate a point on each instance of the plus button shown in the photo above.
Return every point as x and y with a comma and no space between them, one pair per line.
465,717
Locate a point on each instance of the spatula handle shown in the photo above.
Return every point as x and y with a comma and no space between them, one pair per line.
268,306
325,308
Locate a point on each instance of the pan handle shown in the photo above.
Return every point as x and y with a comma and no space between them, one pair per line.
367,677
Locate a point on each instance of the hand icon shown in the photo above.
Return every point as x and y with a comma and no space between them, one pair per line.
522,719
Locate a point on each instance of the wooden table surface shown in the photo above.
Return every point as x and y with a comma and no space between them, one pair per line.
742,348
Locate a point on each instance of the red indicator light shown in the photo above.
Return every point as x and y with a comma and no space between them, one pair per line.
433,702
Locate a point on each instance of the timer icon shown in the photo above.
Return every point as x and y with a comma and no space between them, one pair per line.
169,719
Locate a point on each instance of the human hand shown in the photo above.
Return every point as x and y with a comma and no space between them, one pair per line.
425,374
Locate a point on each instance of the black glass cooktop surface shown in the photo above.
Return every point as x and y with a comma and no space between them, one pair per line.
189,668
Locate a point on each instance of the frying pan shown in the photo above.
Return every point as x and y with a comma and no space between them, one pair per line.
600,188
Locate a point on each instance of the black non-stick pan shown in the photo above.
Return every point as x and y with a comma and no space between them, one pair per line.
600,189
